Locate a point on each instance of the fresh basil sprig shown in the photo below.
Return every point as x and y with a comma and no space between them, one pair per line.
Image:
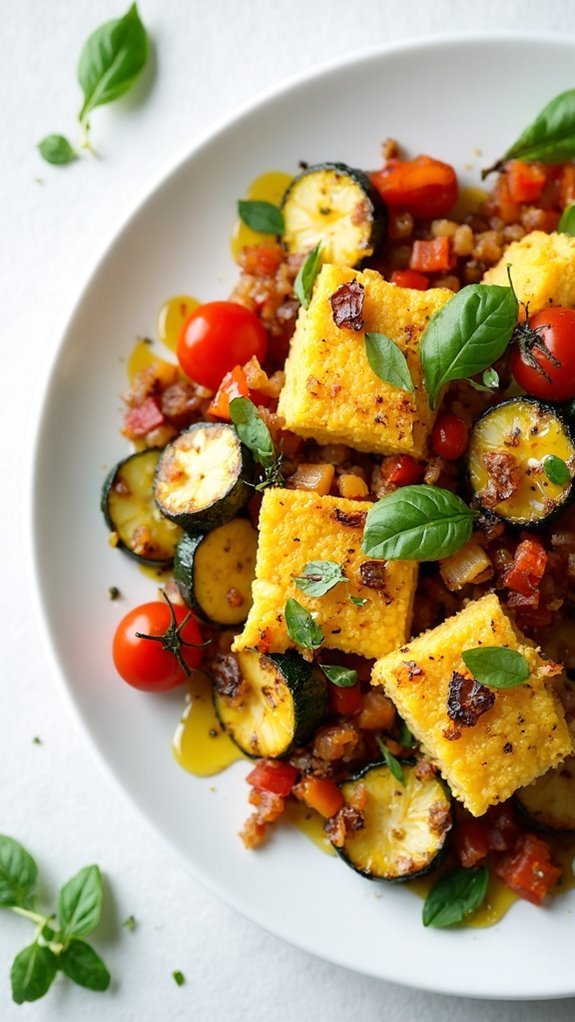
388,361
556,470
301,626
254,433
455,896
261,216
391,762
342,677
56,149
496,666
549,139
467,335
318,577
566,224
417,523
57,944
307,273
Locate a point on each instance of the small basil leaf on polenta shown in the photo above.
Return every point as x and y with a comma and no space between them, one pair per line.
388,361
496,666
301,626
318,577
417,523
307,273
343,677
455,896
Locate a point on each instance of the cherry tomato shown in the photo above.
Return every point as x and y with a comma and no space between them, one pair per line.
450,436
155,664
403,470
547,341
215,338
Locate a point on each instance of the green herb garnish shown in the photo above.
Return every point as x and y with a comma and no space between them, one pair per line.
388,361
57,150
455,896
301,626
390,761
114,593
549,139
358,601
566,224
254,433
556,470
490,382
417,523
318,577
307,273
179,977
496,666
129,923
263,217
405,736
343,677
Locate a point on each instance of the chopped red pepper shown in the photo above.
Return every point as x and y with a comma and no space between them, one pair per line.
528,869
423,187
344,700
471,842
322,795
261,260
273,775
525,180
234,384
403,470
433,256
527,570
409,278
143,419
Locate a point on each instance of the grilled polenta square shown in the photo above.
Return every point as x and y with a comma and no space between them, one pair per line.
330,391
519,732
298,526
542,268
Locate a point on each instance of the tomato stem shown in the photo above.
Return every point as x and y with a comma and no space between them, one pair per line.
172,640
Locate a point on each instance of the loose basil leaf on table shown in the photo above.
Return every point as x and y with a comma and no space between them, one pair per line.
556,470
455,896
112,59
306,277
57,150
417,523
33,972
318,577
566,224
18,873
261,216
390,760
388,361
467,335
497,666
301,626
342,677
549,139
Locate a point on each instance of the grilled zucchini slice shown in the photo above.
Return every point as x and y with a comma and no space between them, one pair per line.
507,461
406,825
215,571
279,703
128,505
549,802
202,477
336,205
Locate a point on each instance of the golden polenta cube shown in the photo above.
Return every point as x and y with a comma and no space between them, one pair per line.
542,268
296,527
332,394
512,736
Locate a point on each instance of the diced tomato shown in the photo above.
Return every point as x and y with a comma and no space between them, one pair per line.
143,419
471,842
501,204
433,256
423,187
322,795
528,568
409,278
528,869
344,700
234,384
403,470
502,829
261,260
526,180
273,775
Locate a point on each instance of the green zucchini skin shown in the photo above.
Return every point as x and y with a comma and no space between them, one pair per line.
215,570
390,802
203,477
537,501
129,509
548,804
274,724
349,234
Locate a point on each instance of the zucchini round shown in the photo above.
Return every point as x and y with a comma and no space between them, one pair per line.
336,205
279,702
406,825
215,571
202,477
128,505
549,802
507,461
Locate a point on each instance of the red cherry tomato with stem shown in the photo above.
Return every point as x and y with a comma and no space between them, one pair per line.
157,646
450,436
216,337
543,359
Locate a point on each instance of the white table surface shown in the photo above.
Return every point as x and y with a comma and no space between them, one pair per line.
209,57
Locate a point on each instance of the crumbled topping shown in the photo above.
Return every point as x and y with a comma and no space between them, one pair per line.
347,305
467,700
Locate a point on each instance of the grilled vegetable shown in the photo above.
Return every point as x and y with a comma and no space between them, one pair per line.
406,825
275,703
519,450
131,512
202,477
215,571
549,802
335,205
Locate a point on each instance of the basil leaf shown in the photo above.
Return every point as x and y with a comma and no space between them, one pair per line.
80,903
556,470
455,896
549,139
388,361
129,923
566,224
33,972
81,964
417,523
301,627
18,873
252,431
263,217
178,977
318,577
490,382
467,335
57,150
405,736
390,761
307,273
343,677
359,601
112,58
496,666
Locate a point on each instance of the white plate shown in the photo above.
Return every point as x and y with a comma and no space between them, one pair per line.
445,97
